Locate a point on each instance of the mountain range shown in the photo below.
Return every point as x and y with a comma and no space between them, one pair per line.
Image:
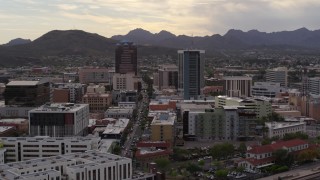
233,39
77,42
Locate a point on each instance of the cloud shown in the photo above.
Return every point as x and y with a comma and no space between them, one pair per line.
67,7
198,17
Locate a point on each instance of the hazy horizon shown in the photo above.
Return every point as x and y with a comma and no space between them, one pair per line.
29,19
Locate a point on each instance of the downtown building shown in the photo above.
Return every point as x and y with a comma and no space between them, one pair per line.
191,69
23,95
97,98
167,77
237,86
267,89
95,75
278,75
68,92
313,85
27,93
126,58
59,120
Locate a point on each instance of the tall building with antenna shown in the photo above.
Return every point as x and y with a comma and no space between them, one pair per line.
191,69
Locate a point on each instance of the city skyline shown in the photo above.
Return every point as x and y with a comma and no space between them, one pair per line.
32,18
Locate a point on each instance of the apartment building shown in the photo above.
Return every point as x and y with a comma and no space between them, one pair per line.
163,127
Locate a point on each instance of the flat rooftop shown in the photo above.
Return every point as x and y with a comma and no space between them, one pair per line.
59,107
164,119
48,139
119,110
279,125
23,83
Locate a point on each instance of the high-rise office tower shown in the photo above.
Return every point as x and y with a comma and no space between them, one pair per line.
126,57
278,75
191,67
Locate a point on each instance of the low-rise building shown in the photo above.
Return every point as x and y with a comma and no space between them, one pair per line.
115,129
117,112
261,156
130,105
267,89
279,129
7,131
148,152
20,124
162,105
84,166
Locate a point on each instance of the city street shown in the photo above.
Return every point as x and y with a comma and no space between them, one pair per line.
136,132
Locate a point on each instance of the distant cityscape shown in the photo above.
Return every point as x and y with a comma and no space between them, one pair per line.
192,114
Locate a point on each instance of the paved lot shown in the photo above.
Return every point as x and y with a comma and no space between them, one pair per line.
298,172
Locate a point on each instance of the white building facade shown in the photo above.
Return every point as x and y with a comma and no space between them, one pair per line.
26,148
279,129
91,165
267,89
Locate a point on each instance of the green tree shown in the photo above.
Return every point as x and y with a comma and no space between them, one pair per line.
297,135
193,168
242,148
201,163
222,150
116,149
266,141
282,157
221,174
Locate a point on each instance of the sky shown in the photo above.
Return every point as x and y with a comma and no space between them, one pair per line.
30,19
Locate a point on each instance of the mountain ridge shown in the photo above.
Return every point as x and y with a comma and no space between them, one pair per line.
78,42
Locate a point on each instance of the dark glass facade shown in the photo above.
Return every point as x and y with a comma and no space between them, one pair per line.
52,124
126,58
27,96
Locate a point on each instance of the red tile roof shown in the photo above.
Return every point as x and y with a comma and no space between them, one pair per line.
256,162
278,145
